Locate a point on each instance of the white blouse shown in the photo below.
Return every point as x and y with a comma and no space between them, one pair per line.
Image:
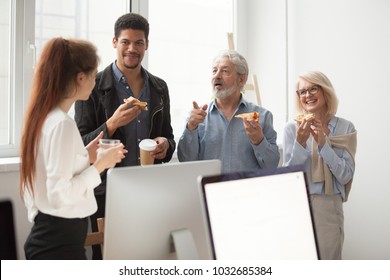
64,179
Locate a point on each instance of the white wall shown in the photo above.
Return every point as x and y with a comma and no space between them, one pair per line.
349,41
262,40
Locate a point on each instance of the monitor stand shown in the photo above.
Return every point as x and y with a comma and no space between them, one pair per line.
184,245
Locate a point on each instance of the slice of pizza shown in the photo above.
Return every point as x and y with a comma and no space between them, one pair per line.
251,117
142,104
308,117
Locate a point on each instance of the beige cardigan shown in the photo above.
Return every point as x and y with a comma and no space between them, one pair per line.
321,172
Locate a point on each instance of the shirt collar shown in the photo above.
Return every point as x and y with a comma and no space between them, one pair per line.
332,124
243,102
118,75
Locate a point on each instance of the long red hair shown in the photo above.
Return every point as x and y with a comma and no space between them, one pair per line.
60,62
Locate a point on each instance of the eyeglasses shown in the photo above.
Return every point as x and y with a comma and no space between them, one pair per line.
312,90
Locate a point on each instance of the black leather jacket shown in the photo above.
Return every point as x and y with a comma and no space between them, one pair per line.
91,115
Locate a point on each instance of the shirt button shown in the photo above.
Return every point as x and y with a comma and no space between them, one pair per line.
139,121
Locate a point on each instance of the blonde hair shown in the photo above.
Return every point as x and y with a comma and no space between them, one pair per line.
318,78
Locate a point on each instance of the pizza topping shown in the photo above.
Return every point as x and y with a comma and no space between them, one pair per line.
251,117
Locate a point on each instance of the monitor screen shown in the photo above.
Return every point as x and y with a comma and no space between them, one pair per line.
7,231
263,214
154,212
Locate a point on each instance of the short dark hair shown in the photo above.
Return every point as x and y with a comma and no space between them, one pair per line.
131,21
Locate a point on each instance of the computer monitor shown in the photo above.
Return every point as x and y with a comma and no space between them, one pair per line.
264,214
7,231
154,212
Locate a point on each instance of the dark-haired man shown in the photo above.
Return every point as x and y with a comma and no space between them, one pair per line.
106,110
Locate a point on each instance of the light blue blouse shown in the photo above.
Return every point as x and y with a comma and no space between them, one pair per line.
340,162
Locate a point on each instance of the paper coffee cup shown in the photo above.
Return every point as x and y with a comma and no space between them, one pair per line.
145,147
108,143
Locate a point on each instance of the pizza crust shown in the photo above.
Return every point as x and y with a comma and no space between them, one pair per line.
142,104
308,117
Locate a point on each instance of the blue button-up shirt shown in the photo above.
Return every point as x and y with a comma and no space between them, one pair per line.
138,129
217,138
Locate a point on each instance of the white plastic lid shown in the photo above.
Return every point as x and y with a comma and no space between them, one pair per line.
148,145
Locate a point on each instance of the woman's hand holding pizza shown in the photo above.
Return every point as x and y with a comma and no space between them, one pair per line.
303,132
319,132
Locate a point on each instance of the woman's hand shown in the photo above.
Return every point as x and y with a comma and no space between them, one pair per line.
303,132
319,132
93,146
109,157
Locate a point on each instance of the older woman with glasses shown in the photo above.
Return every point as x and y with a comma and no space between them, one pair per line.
326,145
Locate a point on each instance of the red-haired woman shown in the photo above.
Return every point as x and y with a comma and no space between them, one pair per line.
56,176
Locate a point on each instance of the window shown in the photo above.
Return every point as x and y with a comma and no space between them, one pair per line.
184,38
12,72
25,26
5,27
84,19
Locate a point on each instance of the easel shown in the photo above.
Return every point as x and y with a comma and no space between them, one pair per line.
254,86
